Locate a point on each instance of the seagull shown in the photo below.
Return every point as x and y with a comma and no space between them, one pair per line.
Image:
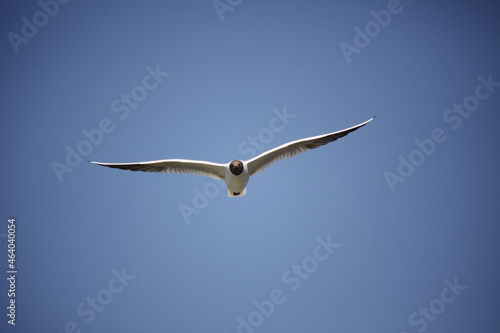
235,173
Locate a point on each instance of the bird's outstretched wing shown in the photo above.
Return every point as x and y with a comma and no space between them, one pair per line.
264,160
202,168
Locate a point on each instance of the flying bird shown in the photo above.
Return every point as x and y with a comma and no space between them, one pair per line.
235,173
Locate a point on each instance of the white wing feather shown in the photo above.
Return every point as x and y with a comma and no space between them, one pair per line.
201,168
266,159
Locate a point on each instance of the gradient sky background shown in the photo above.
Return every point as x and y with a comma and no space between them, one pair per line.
225,79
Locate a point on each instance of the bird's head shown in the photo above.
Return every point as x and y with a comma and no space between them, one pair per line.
236,167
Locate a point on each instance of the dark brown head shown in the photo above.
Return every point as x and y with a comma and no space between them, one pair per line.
236,167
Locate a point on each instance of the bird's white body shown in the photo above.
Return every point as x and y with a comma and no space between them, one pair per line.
236,184
236,173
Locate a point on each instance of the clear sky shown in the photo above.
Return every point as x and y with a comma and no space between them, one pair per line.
394,228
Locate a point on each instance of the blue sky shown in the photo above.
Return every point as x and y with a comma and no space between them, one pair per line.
393,228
